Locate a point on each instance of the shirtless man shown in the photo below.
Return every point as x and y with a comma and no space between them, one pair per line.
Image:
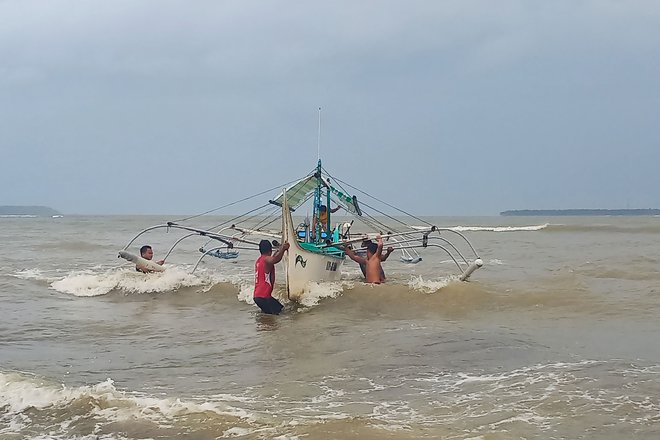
147,253
373,268
384,256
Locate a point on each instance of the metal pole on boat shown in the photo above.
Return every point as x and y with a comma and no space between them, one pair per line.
327,209
318,145
317,191
317,204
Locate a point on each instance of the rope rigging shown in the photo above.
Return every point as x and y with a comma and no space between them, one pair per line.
235,203
384,203
374,223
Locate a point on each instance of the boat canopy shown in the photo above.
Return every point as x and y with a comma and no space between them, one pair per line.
303,189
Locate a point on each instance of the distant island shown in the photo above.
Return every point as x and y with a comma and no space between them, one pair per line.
38,211
562,212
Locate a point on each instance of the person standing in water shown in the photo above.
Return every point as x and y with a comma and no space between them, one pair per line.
373,269
147,253
264,277
383,257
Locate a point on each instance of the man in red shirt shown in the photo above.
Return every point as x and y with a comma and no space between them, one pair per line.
264,277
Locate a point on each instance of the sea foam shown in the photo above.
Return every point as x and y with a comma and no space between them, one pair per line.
20,393
93,283
315,292
430,286
499,228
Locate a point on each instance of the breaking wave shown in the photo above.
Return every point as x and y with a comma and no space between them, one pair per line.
419,284
99,281
480,402
28,402
559,227
500,228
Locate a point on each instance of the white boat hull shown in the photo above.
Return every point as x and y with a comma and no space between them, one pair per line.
302,266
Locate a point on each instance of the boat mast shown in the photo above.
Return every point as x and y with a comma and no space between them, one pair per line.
317,192
318,144
319,182
317,203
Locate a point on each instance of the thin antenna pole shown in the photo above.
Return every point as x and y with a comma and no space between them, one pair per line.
318,156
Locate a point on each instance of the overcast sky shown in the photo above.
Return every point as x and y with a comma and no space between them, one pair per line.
439,107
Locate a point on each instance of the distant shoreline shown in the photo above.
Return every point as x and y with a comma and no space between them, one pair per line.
578,212
37,211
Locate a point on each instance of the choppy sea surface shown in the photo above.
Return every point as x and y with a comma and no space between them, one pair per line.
556,337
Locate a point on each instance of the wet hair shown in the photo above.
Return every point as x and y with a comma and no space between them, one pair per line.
265,247
372,247
144,249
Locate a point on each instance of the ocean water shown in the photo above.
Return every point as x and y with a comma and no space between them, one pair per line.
556,337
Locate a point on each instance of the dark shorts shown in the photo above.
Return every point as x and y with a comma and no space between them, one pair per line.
269,305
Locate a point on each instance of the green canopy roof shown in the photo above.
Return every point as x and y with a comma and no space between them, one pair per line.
300,191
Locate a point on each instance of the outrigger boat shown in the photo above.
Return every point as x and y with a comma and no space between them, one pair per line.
316,251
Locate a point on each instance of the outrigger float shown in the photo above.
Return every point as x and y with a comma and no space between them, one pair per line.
316,253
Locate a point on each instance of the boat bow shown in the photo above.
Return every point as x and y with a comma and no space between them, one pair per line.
306,262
